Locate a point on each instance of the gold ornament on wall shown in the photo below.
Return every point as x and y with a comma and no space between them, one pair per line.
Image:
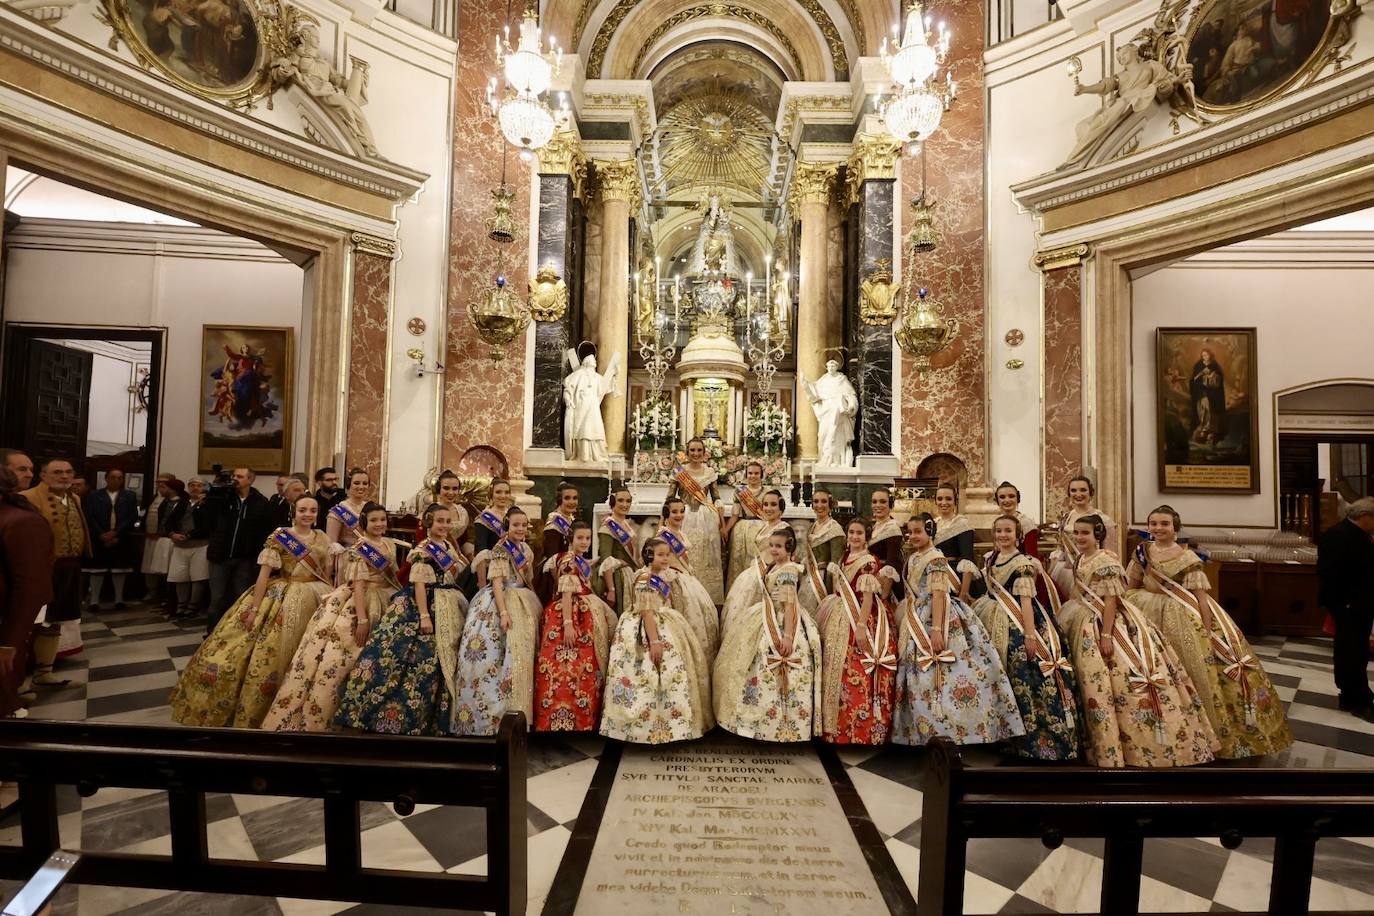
501,223
922,332
548,295
877,294
499,317
230,60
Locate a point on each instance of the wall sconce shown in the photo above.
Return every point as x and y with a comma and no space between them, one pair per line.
421,370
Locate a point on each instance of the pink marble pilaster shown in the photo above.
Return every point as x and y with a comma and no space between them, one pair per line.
364,437
1063,418
484,401
946,411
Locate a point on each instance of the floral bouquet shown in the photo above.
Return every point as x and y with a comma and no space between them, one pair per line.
767,428
654,424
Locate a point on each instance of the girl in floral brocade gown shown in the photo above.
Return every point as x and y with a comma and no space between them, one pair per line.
745,524
950,681
496,656
310,693
859,642
574,641
1031,648
695,484
824,545
488,528
236,672
1138,704
658,682
344,521
616,552
955,539
399,685
698,609
1170,588
1081,493
767,676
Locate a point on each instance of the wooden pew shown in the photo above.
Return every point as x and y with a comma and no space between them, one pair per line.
342,770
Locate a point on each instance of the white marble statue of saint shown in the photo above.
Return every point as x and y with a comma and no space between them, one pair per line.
584,432
835,403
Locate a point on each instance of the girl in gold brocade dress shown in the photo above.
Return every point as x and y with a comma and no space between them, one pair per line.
658,681
859,640
1138,705
335,636
698,609
236,672
344,522
746,524
824,545
767,677
1081,492
1169,586
695,484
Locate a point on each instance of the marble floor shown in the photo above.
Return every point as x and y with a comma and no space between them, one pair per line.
132,658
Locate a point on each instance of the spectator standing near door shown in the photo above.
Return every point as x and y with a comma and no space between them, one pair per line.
111,517
54,501
240,519
1345,565
25,583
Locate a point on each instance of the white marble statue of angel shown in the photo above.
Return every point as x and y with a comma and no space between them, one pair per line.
584,432
342,97
1137,84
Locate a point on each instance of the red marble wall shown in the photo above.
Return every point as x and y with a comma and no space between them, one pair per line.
945,412
1063,384
367,363
483,400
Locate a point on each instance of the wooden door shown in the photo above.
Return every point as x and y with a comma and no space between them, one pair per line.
56,397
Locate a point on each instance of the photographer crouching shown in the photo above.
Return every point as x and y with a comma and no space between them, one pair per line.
239,520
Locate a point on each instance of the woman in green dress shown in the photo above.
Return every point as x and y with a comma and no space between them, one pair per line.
1170,588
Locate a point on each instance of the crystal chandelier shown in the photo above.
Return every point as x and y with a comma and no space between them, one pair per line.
915,108
526,120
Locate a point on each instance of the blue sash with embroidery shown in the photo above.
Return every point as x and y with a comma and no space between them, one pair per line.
660,585
561,523
516,554
584,567
440,555
345,515
292,544
678,545
492,521
371,556
619,533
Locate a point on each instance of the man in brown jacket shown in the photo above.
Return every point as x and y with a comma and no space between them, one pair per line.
25,583
71,541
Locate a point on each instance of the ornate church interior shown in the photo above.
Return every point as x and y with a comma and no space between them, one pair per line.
575,457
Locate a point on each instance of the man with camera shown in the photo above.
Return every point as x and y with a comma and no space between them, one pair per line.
239,519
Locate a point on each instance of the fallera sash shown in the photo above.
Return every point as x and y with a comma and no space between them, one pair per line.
813,571
1225,639
443,557
492,522
521,560
347,516
619,532
749,501
1145,675
561,523
678,545
689,485
1057,664
872,662
298,549
660,585
773,659
377,560
926,656
584,567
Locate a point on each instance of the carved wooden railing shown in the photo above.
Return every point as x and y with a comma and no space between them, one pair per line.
1125,806
343,770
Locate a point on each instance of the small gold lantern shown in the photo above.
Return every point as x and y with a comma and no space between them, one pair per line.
501,224
923,236
921,332
499,317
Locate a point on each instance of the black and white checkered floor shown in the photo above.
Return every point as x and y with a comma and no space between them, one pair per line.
132,658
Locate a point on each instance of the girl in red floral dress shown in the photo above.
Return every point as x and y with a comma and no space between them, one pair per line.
575,638
859,634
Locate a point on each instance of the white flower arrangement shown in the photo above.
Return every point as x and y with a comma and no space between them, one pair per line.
654,423
767,427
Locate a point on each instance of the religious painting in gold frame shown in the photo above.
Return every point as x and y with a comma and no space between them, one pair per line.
246,398
216,49
1206,384
1246,52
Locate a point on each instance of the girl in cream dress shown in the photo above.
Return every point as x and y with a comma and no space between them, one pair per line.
658,682
746,523
310,694
496,654
1081,493
1170,588
695,484
698,609
1138,704
859,638
823,546
767,677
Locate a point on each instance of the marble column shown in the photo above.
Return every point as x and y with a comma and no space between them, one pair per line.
870,342
562,170
365,432
619,188
812,186
1062,300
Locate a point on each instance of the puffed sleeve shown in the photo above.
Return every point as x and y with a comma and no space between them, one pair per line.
1195,579
270,556
935,576
355,568
422,568
1024,586
868,584
970,568
1106,580
499,565
1134,571
647,598
787,583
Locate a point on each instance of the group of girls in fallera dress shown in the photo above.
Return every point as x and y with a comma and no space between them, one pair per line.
866,633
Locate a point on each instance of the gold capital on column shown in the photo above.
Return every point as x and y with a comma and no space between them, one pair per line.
812,183
563,156
1056,258
619,180
874,156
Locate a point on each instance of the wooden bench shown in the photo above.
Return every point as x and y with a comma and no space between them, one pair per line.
342,770
1125,806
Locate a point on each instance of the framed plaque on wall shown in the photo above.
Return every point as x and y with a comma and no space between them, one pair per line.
1206,396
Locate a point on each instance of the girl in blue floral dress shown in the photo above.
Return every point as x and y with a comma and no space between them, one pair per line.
1031,646
950,681
500,636
399,686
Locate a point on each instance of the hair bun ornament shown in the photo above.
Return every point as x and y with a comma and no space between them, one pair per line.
930,526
